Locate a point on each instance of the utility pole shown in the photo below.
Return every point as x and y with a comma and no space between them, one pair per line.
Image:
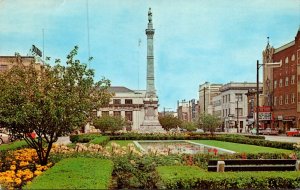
204,100
237,116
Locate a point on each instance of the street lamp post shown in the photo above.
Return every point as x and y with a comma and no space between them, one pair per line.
277,64
237,116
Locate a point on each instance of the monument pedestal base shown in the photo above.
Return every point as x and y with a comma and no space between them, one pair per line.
151,126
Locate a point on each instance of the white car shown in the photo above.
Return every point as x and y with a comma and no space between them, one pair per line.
3,138
199,131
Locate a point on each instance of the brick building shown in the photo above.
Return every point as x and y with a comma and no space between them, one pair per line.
7,62
282,84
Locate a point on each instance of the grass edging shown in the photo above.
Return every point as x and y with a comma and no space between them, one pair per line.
188,177
75,173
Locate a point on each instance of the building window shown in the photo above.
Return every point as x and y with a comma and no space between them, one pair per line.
280,100
275,83
223,101
128,101
293,79
128,115
280,83
286,60
223,113
117,101
275,101
3,67
239,111
286,101
293,57
105,113
293,98
286,81
117,113
239,97
229,98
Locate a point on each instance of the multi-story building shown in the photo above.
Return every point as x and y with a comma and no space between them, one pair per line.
7,62
283,84
188,110
232,104
125,103
251,100
206,93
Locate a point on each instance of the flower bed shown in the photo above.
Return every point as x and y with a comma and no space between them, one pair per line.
19,168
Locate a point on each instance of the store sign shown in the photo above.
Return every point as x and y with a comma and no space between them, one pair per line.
265,116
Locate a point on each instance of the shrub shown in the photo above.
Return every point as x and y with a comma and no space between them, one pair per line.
100,140
84,138
187,177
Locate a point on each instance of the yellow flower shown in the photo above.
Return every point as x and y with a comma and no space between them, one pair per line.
13,167
18,181
37,173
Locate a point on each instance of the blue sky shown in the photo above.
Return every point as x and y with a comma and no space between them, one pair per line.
195,41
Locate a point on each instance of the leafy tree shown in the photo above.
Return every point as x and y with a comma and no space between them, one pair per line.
51,101
169,122
208,122
109,123
189,126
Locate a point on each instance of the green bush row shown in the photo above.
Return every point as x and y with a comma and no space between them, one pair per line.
75,173
103,140
84,138
258,142
191,177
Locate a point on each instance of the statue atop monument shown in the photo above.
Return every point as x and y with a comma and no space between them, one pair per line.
149,15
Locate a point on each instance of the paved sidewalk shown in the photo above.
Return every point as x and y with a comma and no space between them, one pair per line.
282,138
63,140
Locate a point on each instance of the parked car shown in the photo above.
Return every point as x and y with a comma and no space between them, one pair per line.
199,131
269,131
293,132
3,138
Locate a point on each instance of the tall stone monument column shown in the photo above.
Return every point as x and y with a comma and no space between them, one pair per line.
151,123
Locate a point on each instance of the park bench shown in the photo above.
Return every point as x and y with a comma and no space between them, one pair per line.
253,165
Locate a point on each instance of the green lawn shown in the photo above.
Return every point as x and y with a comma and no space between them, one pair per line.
75,173
242,147
13,145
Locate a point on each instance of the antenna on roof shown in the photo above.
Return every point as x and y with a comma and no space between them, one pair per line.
88,32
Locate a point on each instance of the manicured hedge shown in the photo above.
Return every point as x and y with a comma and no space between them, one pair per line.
84,138
103,140
75,173
258,142
191,177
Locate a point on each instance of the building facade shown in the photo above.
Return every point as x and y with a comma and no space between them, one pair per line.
284,85
188,110
232,105
206,93
7,62
125,103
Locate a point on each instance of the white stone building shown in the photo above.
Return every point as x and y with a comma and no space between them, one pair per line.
125,103
233,106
